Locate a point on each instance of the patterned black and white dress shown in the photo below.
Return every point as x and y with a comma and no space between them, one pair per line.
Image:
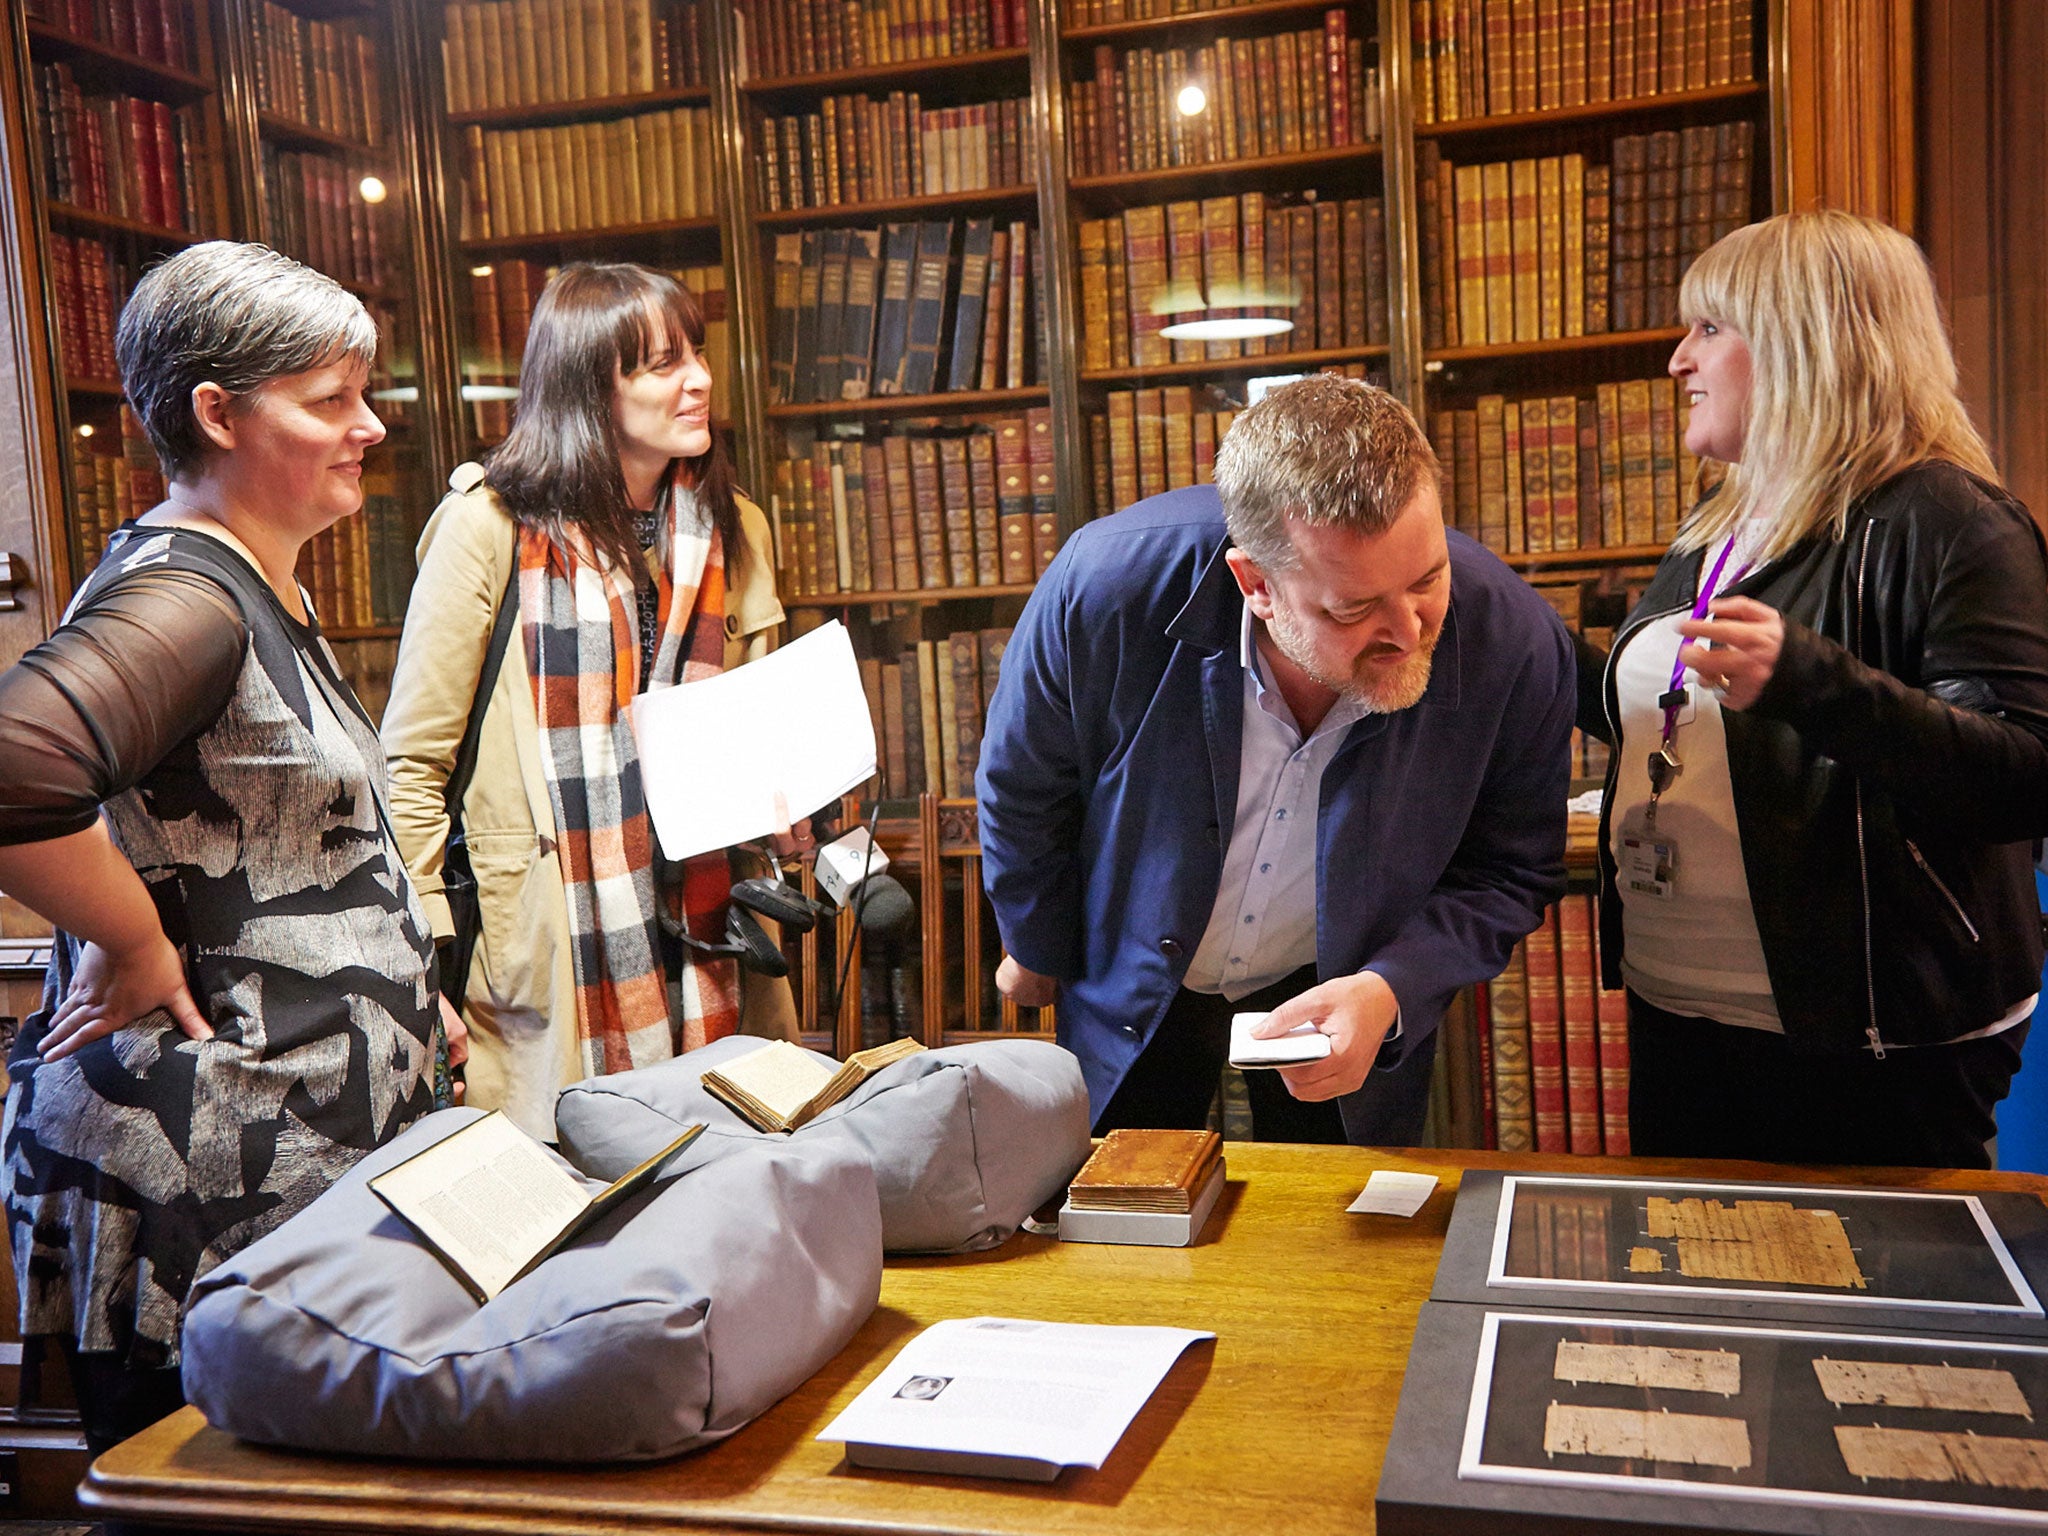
146,1158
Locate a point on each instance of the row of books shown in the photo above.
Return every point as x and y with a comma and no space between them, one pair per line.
157,30
318,73
1159,441
124,155
912,511
904,310
315,212
1482,58
1112,13
805,37
932,704
648,168
89,296
1543,248
1151,440
527,53
1272,95
1554,1043
855,149
502,295
114,476
1317,263
1602,468
359,571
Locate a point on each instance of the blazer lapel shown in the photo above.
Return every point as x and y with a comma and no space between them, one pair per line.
1212,622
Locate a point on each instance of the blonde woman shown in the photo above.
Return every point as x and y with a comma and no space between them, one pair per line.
1831,708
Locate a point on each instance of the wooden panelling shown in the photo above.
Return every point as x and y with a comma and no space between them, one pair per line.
1983,99
1848,86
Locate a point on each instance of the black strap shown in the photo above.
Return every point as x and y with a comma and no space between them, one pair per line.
494,660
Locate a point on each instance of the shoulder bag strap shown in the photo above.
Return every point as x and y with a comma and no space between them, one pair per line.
487,682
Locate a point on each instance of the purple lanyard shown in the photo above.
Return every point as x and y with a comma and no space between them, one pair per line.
1673,700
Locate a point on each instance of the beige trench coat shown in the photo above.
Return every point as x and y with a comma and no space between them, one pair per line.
521,1000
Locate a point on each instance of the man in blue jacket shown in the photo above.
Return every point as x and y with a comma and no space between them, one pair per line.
1284,743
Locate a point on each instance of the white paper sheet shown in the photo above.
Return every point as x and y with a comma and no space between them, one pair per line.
1390,1193
1302,1043
743,754
997,1386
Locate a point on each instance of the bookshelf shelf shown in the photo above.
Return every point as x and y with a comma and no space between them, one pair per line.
1235,367
1271,171
921,595
952,403
960,67
291,134
1225,20
362,632
94,389
941,203
1601,342
1629,107
1592,555
116,67
542,113
589,239
113,224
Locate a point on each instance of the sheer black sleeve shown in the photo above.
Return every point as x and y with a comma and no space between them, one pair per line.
92,709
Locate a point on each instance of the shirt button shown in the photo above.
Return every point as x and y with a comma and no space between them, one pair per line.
1265,869
1170,948
1248,917
1280,815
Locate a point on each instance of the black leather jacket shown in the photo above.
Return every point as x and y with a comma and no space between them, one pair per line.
1889,781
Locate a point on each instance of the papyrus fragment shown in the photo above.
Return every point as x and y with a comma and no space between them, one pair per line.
1956,1388
1764,1240
1632,1434
1923,1456
1642,1365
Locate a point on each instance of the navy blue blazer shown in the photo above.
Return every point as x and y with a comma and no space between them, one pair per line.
1109,776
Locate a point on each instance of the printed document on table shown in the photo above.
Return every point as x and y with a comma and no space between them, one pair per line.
745,753
995,1386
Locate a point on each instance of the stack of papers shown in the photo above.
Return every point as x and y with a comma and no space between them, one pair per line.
1003,1397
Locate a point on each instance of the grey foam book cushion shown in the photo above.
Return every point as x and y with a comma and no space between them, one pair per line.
669,1323
966,1141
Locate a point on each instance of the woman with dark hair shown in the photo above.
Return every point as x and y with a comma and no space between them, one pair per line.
608,515
239,1003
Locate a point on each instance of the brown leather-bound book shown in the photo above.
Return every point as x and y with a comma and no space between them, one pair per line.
1146,1171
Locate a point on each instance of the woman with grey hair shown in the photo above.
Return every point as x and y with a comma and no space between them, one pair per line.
240,1004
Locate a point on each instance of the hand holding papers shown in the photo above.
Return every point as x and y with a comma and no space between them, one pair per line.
1304,1042
999,1397
742,754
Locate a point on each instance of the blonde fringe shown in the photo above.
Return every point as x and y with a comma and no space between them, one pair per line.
1852,377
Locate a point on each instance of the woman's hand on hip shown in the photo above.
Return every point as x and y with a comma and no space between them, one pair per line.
1742,639
457,1033
111,990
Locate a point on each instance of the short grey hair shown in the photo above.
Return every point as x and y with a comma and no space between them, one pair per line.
233,315
1328,451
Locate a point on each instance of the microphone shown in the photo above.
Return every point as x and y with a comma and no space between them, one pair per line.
883,907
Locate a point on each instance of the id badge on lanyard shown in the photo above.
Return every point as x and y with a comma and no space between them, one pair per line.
1648,863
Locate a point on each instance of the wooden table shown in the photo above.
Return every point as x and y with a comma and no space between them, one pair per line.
1278,1426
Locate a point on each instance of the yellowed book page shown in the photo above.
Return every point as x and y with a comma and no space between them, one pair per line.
1637,1365
1631,1434
780,1076
488,1198
1923,1456
1954,1388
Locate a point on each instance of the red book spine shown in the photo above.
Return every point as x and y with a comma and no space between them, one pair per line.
170,195
1581,1024
1334,40
1611,1010
1482,1012
1546,1039
143,166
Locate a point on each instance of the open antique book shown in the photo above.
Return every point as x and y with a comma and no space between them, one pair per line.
780,1087
492,1204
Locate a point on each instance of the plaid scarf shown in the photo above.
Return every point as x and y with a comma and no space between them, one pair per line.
578,617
